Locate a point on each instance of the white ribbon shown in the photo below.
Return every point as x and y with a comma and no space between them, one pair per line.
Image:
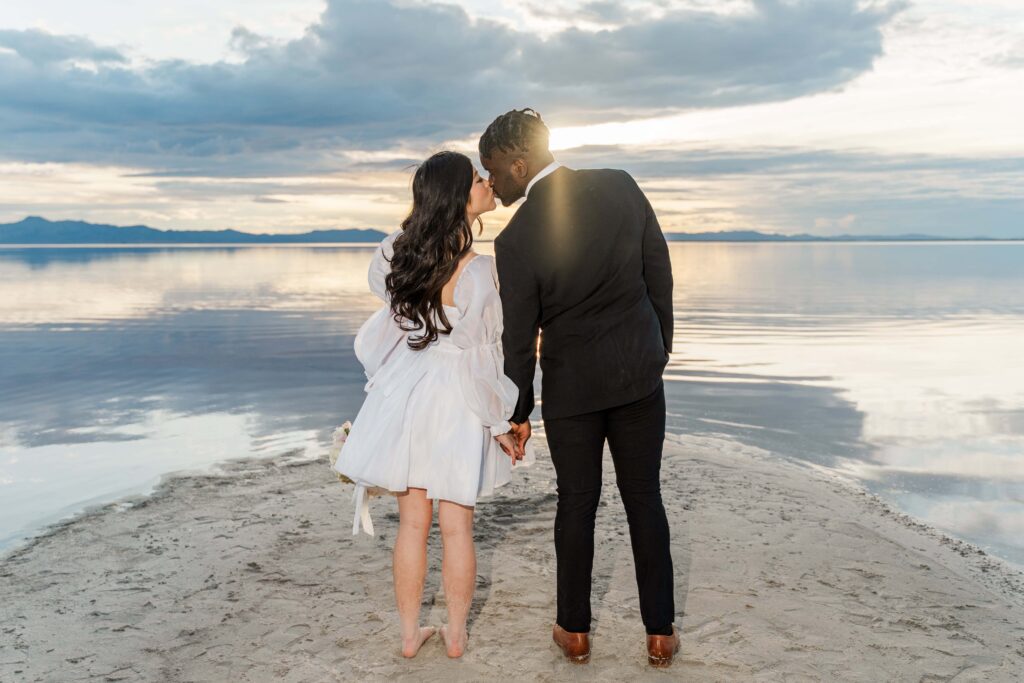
362,515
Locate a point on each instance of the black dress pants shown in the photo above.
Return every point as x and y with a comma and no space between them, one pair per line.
635,434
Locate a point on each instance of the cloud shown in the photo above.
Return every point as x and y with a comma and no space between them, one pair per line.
1012,57
370,72
692,58
823,192
596,11
41,48
770,188
246,42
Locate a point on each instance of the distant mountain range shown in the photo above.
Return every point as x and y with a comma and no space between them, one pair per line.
36,230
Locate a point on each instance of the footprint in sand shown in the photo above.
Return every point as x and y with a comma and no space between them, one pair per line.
709,630
287,638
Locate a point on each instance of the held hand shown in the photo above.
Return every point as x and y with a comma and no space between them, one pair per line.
508,444
522,432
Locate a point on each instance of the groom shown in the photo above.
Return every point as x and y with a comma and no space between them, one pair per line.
584,260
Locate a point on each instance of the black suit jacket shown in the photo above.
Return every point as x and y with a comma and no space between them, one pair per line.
584,261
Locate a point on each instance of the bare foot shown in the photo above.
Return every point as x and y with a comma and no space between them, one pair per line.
411,646
455,645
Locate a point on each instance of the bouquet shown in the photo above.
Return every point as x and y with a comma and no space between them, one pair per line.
337,442
338,439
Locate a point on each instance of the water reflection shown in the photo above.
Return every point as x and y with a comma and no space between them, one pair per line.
43,483
893,364
69,285
117,365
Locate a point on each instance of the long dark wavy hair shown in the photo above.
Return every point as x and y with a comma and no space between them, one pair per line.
435,236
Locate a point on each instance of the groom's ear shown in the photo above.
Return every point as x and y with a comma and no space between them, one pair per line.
520,168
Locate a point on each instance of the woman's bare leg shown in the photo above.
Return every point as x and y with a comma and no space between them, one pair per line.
415,514
458,572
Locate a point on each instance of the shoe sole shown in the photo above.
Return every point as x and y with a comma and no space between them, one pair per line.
574,659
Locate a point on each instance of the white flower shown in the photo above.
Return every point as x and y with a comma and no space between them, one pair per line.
338,439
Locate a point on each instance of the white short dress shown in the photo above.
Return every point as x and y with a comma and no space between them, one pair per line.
430,416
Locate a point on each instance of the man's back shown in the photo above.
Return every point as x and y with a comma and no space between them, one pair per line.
585,260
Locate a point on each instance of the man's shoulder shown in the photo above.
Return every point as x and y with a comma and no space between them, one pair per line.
547,201
606,185
606,176
566,181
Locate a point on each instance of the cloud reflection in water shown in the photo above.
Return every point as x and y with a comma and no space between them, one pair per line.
893,364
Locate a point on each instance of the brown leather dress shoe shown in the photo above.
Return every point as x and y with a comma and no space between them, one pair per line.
661,649
575,646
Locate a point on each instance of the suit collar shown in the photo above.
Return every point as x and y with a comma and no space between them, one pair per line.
544,173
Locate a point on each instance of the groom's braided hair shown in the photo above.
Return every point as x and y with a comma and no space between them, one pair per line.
520,130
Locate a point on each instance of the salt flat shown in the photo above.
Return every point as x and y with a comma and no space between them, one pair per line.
251,574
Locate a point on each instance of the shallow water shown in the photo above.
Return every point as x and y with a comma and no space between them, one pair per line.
895,364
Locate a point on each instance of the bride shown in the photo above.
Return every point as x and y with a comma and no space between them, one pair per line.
435,419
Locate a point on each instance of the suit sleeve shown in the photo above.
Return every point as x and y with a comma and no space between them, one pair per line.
520,303
658,272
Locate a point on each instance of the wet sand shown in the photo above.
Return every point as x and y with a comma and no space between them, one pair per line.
251,574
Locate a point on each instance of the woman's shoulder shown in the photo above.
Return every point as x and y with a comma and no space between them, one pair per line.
389,241
480,260
484,268
386,247
478,276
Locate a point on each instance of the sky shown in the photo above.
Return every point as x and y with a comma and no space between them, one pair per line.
861,117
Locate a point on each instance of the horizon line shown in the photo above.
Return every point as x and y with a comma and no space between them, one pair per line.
671,235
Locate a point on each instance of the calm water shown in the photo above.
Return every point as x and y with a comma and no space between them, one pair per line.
896,364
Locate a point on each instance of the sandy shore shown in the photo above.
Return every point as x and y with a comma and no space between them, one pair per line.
252,575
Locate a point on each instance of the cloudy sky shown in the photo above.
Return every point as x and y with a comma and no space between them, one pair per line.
829,117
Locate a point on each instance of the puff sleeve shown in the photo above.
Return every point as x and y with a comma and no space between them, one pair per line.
379,335
490,394
380,266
